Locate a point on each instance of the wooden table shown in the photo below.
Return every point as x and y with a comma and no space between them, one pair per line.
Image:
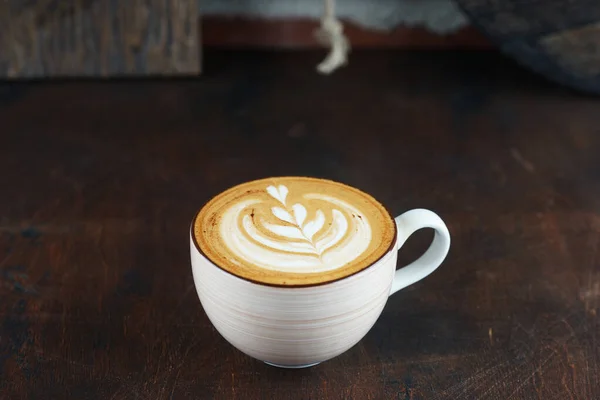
100,182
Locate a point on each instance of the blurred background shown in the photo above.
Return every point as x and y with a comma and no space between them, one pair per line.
51,38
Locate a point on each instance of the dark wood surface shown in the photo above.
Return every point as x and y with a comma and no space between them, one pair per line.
559,39
100,182
76,38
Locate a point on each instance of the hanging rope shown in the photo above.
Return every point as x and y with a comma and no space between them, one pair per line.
331,33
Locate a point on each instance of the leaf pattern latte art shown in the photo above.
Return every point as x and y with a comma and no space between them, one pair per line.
286,231
298,227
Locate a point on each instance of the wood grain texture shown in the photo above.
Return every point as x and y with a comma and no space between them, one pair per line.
100,183
98,38
558,39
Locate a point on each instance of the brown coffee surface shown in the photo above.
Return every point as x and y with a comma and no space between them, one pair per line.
293,231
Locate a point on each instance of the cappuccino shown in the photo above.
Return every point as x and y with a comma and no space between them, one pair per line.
293,231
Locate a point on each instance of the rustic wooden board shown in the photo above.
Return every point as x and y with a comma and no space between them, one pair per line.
559,39
51,38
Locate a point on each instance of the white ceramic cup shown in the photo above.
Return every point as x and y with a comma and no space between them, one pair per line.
295,327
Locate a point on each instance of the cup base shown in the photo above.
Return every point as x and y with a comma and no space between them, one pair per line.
291,366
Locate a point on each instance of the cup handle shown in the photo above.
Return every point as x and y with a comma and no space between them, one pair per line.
407,224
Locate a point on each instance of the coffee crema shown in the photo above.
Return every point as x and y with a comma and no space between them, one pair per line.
293,231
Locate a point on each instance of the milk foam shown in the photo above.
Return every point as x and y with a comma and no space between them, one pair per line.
318,233
293,231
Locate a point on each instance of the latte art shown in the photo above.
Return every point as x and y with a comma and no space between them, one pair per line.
284,230
295,237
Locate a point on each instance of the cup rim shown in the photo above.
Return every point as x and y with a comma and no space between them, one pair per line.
391,247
